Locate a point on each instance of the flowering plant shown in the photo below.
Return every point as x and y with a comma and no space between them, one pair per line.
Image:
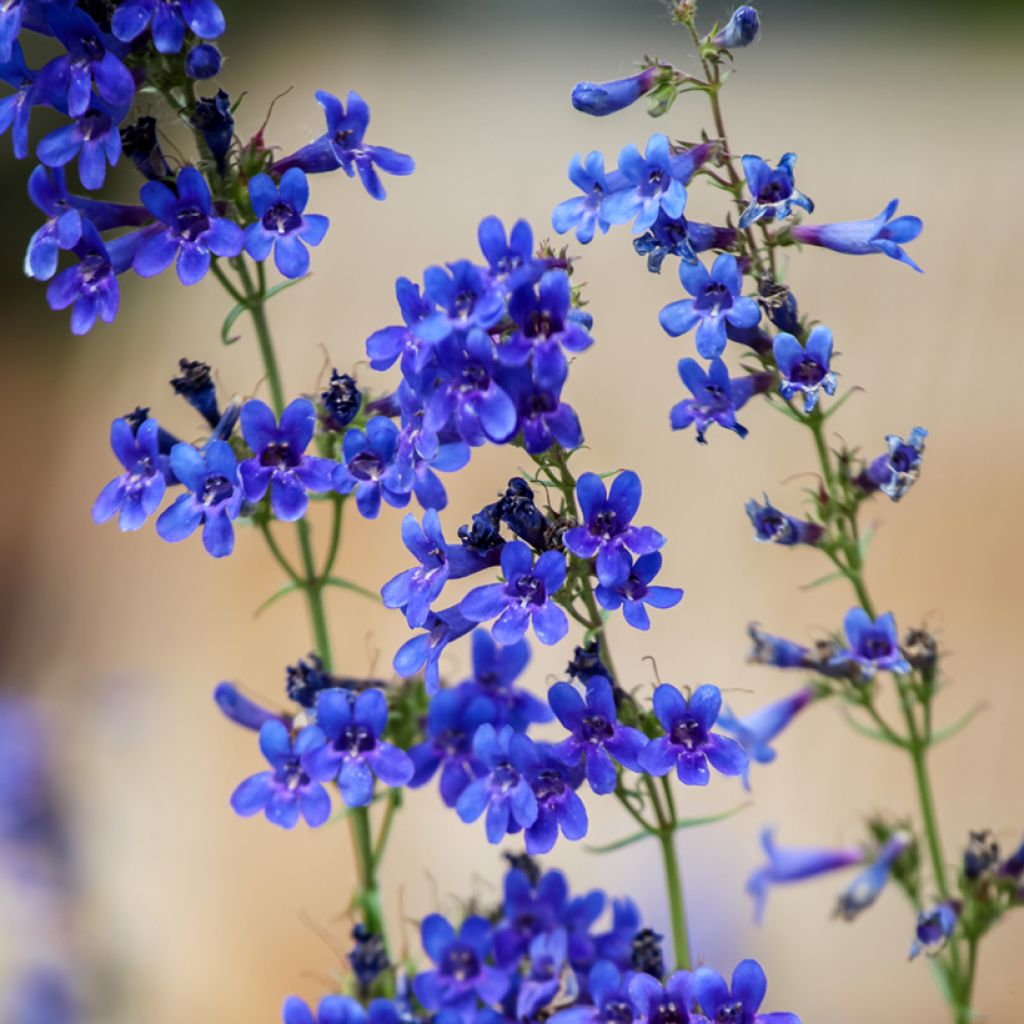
483,354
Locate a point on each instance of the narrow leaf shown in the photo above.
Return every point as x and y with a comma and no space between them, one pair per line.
952,730
822,580
286,589
229,322
836,406
343,584
709,819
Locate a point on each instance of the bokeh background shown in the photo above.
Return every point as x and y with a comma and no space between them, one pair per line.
168,907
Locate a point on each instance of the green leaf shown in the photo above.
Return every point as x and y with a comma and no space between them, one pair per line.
229,322
685,823
284,285
822,580
787,411
864,730
836,406
286,589
343,584
960,724
865,540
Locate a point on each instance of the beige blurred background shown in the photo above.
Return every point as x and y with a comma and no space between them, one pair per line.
185,912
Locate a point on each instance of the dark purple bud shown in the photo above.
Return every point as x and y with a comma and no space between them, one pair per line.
203,61
139,143
341,401
212,119
195,385
981,855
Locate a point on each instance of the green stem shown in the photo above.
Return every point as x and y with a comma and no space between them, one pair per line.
676,904
255,301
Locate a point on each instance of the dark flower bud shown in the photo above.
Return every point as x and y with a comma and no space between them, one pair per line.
212,119
195,385
586,663
164,439
921,649
341,401
305,679
647,955
202,61
140,144
981,855
780,305
1013,866
485,533
525,863
369,958
521,515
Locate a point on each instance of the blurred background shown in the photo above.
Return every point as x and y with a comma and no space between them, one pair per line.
167,906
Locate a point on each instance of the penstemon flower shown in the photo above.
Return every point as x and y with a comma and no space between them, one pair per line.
717,397
772,192
805,369
136,494
282,223
873,644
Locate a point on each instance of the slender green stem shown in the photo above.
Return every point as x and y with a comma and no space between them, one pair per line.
279,555
255,301
676,903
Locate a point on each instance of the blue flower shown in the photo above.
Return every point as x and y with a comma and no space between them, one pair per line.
866,887
756,731
532,904
559,808
369,467
777,651
239,709
137,493
688,743
794,864
873,644
288,790
680,237
654,1003
279,461
424,650
90,287
16,109
805,369
67,81
741,29
652,185
167,21
93,138
191,232
332,1010
467,299
353,751
585,213
462,976
543,417
771,525
607,531
383,347
602,98
935,927
526,595
510,257
895,472
864,237
716,397
213,500
609,1000
342,146
495,669
543,979
716,300
772,193
281,223
453,716
503,789
635,592
739,1002
596,735
11,17
414,590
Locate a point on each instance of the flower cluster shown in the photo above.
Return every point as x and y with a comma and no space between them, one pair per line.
235,198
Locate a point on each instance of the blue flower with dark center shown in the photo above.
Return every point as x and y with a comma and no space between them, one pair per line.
586,213
716,301
466,297
543,979
671,1003
16,109
635,592
716,397
935,927
651,186
741,29
776,650
680,237
453,716
343,146
353,751
287,790
90,287
383,347
866,887
688,743
510,257
543,417
559,808
596,735
461,976
607,532
67,81
213,500
369,467
213,120
794,864
167,21
331,1010
279,460
873,644
137,493
238,708
547,329
772,193
756,731
190,230
503,789
281,224
863,237
609,999
526,596
895,472
424,650
531,906
771,525
739,1002
495,670
805,369
414,590
602,98
93,138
